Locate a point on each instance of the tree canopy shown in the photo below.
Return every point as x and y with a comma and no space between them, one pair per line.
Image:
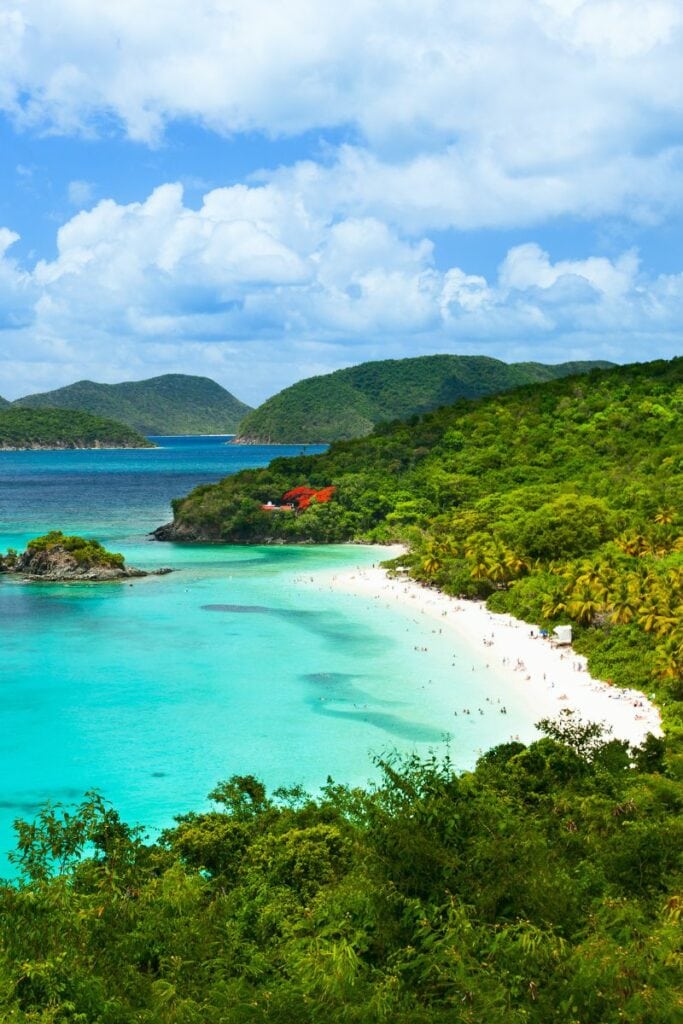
61,428
541,886
349,402
174,403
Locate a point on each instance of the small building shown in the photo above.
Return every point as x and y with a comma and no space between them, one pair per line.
562,635
270,507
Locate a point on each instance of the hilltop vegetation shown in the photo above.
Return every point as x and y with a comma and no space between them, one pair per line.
543,886
171,404
348,403
3,403
557,503
59,428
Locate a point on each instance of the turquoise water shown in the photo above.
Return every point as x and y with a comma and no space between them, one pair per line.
153,691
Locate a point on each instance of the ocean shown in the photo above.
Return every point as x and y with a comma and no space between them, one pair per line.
152,691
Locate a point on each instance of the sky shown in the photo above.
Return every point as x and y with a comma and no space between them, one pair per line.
260,191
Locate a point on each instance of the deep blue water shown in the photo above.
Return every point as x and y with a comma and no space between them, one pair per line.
115,490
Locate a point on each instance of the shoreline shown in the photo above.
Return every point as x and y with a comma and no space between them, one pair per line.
82,448
549,679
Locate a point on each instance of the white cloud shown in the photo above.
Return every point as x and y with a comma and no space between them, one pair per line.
467,114
527,266
258,289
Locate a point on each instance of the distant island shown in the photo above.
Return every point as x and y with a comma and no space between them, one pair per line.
174,403
63,429
56,557
349,403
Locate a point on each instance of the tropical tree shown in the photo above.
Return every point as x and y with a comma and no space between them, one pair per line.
585,604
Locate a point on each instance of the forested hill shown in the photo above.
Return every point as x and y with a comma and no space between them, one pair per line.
3,403
63,428
171,404
348,403
559,503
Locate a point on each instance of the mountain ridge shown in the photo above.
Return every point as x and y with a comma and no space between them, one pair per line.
348,403
172,403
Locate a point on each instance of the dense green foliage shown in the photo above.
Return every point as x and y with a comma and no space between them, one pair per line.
172,404
87,552
348,403
3,403
559,503
61,428
541,887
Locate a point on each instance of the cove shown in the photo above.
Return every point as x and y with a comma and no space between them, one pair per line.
152,692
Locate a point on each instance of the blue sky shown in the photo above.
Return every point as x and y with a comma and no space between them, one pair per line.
261,193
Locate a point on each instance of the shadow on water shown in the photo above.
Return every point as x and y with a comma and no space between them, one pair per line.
341,687
32,803
416,732
322,624
24,603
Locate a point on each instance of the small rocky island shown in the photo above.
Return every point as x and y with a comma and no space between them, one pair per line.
57,558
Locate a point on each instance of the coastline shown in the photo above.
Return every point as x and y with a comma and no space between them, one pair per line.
80,448
550,679
259,442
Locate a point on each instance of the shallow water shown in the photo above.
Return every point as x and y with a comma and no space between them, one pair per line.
155,690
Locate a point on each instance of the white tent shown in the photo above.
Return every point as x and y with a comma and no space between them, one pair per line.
563,634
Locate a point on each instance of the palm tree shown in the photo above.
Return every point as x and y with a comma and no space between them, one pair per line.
481,560
623,603
514,564
432,563
665,516
597,575
632,543
554,604
655,614
584,605
669,658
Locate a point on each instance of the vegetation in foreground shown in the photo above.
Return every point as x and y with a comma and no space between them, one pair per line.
61,428
350,402
174,403
542,886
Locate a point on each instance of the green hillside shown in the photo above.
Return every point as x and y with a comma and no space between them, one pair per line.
62,428
172,404
559,503
3,402
348,403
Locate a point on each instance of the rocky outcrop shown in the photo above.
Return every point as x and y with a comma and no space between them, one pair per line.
56,564
183,532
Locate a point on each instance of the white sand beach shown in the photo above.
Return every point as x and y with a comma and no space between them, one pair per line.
551,678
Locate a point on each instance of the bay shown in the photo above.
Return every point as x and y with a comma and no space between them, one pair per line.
153,691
